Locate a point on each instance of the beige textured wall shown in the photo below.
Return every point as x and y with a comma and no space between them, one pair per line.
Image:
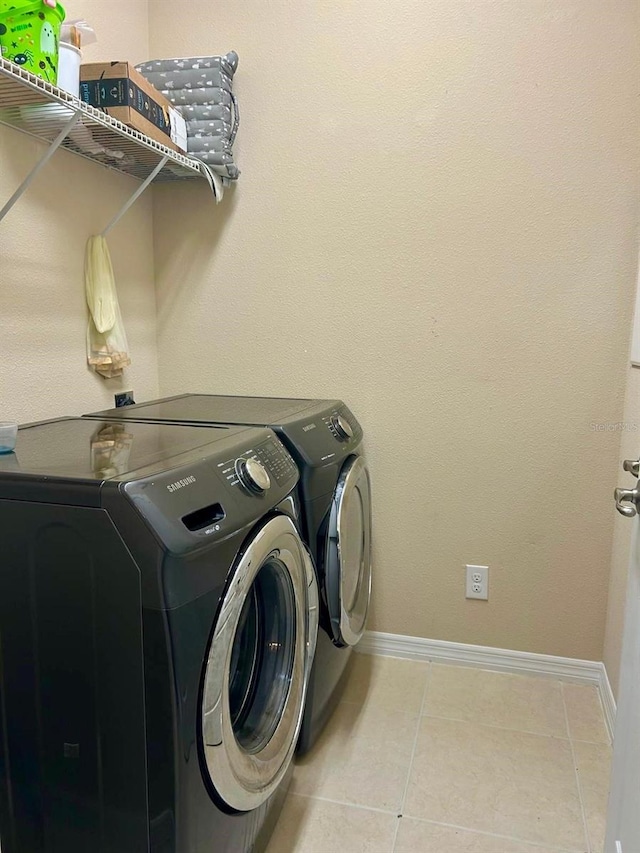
436,221
43,317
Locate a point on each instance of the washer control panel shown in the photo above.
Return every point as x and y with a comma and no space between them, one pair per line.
258,466
339,425
322,436
210,495
253,475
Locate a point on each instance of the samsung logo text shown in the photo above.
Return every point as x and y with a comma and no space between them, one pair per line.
180,484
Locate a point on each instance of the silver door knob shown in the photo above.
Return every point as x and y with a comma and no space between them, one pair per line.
627,501
632,466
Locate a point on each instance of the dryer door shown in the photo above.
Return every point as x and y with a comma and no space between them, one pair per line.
259,659
348,553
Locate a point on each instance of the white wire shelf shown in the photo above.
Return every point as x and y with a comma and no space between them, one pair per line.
41,110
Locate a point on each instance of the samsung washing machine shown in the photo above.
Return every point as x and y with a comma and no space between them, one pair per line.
158,616
325,440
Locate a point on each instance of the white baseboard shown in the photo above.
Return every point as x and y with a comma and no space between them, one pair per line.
608,701
501,660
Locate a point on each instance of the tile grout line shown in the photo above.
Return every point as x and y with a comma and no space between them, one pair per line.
413,752
359,806
483,832
577,775
495,726
592,742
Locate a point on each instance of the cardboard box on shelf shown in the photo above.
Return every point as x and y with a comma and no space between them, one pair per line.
119,90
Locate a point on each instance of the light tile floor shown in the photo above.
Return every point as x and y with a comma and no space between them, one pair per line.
426,758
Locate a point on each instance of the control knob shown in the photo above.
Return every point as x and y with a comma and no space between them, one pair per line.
253,475
343,428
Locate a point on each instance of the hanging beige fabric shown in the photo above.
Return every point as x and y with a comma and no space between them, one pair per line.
107,348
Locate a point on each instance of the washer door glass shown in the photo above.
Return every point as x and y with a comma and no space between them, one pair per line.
348,553
262,657
258,665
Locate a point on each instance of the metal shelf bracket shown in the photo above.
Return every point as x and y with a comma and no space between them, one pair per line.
136,195
48,154
136,153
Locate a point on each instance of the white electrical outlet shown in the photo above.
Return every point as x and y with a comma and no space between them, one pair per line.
477,582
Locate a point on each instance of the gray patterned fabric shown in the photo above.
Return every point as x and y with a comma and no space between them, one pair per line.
198,97
188,79
201,88
195,113
209,128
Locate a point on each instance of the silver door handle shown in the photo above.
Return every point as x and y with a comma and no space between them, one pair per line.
632,466
627,501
